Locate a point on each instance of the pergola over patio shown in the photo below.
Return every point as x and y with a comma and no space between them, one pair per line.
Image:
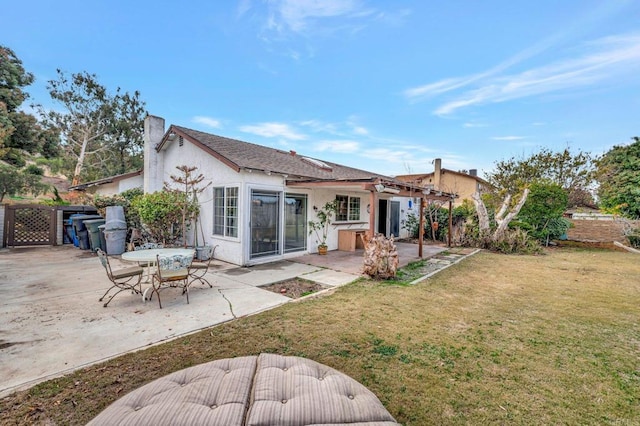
378,185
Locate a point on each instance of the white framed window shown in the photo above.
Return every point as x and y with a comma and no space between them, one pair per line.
348,208
225,211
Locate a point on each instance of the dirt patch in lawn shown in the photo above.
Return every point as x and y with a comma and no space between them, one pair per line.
294,288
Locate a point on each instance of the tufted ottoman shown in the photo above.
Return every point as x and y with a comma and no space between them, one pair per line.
264,390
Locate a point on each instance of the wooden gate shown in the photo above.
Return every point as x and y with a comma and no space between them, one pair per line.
28,225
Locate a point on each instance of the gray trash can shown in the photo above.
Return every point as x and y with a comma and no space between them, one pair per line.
116,240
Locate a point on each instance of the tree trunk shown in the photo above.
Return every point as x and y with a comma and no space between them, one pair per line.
503,222
80,162
501,219
380,256
483,216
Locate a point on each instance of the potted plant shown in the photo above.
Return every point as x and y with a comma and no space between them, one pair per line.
321,226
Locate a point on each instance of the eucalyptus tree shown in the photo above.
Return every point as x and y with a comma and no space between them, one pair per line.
100,130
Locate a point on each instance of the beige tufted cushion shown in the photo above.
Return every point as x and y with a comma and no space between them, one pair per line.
276,390
215,393
293,391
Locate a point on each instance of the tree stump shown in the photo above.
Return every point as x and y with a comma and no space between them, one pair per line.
380,256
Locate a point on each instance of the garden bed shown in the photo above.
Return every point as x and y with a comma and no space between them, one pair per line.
294,288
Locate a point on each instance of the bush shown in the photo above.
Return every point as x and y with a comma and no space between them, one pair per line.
161,215
32,169
541,215
515,241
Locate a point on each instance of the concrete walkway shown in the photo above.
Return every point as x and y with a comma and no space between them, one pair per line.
52,323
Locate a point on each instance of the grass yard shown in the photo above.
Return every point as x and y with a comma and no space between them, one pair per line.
551,339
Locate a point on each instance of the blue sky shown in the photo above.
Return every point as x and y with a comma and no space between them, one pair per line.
385,86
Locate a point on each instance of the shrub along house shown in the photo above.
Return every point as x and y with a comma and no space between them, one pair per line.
260,199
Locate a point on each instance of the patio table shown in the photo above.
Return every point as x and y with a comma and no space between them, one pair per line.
149,257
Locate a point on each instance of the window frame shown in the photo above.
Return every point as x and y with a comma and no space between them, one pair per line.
352,207
226,216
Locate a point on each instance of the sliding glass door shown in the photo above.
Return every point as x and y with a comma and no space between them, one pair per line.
270,227
265,223
295,222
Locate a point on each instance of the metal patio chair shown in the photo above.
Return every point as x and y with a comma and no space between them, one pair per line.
171,271
200,268
122,279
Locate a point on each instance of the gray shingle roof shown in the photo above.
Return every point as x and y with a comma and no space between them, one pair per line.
251,156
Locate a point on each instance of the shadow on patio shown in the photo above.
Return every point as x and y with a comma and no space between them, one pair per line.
351,261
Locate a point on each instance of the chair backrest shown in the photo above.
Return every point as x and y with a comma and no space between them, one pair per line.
209,251
148,246
174,265
104,260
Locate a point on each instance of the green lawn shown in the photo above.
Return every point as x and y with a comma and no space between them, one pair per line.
551,339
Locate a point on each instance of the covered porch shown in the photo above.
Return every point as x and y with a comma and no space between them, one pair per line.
351,261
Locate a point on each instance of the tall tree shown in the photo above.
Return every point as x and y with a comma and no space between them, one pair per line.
13,78
618,173
19,131
573,172
512,178
98,128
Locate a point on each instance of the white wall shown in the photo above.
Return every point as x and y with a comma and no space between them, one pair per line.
119,186
319,198
219,174
406,209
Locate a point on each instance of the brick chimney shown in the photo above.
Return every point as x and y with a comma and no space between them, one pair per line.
153,161
437,173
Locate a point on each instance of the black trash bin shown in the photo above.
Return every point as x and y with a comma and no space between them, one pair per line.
81,230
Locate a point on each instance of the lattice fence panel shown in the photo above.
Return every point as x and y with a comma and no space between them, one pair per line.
32,226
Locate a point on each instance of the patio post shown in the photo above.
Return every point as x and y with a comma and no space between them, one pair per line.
421,227
450,222
372,212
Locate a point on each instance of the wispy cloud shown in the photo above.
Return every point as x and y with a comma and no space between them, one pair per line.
273,130
207,121
320,126
338,146
298,15
472,124
603,60
508,138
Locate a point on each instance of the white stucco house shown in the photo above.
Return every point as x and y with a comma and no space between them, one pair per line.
260,199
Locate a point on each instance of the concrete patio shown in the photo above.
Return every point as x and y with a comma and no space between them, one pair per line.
52,323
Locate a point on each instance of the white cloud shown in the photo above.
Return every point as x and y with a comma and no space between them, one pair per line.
508,138
339,146
473,124
207,121
359,130
320,126
607,60
297,14
273,130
